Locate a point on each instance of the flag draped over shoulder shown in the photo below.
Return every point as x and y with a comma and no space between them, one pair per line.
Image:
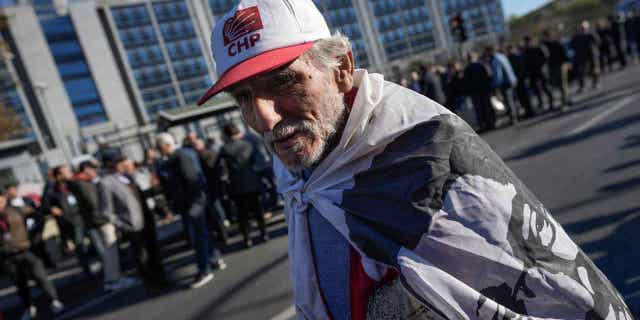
412,187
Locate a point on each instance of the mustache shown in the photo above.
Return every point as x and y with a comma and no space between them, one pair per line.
286,129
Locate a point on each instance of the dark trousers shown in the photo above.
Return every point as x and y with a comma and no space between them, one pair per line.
620,54
145,256
75,233
215,217
524,99
196,223
588,67
23,266
539,84
484,111
249,203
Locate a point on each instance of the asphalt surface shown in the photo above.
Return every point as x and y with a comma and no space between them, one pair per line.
582,163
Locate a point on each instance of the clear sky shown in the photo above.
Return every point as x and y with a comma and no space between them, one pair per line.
520,7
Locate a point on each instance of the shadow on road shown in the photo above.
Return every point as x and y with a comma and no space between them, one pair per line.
622,256
571,139
622,166
631,141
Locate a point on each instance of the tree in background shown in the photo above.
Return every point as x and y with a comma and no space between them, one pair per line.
10,124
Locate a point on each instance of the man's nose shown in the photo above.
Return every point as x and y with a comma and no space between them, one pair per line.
266,112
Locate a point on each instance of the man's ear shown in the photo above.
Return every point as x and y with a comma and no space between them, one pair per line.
344,73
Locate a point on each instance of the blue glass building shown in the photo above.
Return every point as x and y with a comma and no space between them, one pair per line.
164,53
70,60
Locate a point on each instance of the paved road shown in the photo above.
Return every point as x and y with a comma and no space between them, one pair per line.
583,163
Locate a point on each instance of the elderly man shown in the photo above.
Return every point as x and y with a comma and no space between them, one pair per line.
396,209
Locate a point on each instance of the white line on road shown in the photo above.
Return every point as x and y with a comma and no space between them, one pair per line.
619,105
287,314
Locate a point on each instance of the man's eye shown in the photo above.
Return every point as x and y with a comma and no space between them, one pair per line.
283,81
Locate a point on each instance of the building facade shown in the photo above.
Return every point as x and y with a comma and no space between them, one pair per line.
98,68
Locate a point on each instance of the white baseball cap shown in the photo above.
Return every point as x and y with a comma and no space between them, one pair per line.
259,36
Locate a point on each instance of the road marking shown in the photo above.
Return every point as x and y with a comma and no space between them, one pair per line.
287,314
619,105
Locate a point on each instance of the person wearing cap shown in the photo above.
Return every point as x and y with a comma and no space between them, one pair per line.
19,262
395,208
185,185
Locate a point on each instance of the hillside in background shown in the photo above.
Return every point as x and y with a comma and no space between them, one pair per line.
562,16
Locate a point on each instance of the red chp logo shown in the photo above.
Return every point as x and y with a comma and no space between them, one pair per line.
235,32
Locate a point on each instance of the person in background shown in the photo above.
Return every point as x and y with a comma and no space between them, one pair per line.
478,79
516,59
604,34
558,64
617,30
213,172
504,79
101,231
431,84
35,221
416,82
585,61
63,205
20,263
119,202
161,206
630,35
148,255
185,184
535,59
455,94
239,157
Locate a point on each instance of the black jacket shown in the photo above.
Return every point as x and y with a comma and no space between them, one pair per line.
240,158
183,179
86,193
557,53
61,196
477,78
535,58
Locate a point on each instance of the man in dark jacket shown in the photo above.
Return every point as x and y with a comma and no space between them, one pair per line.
63,204
535,57
186,188
244,184
558,65
477,77
19,263
616,36
585,61
431,84
522,92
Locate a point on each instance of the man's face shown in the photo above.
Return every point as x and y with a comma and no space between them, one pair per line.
91,172
298,109
12,192
65,174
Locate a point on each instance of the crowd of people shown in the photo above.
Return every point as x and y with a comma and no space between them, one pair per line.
525,74
113,200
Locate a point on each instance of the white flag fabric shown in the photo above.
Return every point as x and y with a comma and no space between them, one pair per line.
412,187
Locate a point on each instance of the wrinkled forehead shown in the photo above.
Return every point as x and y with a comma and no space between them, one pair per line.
264,79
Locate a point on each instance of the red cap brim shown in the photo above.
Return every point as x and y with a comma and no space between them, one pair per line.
264,62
